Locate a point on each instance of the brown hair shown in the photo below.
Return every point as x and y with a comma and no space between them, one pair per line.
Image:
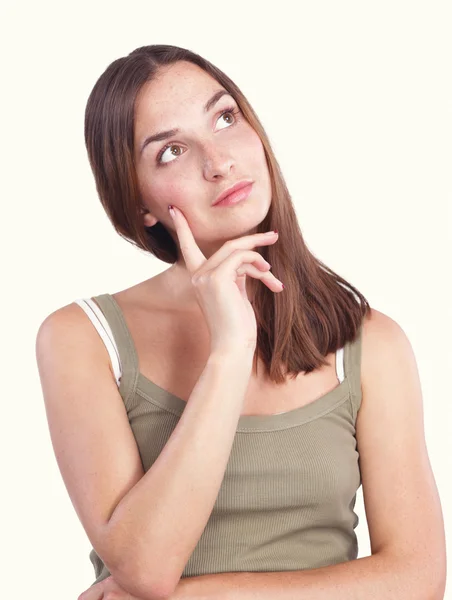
316,313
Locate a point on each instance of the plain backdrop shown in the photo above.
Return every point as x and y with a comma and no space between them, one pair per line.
356,99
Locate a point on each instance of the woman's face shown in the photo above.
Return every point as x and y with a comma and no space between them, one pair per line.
211,152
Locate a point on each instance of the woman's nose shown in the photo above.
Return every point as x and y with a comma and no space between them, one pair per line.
217,162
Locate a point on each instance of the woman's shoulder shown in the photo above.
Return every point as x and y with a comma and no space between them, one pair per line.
381,336
377,325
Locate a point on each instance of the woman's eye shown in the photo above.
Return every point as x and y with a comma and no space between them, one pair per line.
228,111
160,156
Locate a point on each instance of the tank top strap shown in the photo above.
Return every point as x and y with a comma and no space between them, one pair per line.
126,348
353,370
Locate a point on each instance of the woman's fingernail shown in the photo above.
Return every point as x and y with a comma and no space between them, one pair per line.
171,210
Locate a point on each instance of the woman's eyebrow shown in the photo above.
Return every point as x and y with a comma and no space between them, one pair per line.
163,135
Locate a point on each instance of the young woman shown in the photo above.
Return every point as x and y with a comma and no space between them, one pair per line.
218,419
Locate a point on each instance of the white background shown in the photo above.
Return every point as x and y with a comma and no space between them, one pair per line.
356,99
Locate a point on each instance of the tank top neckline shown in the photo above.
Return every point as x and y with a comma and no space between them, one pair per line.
169,402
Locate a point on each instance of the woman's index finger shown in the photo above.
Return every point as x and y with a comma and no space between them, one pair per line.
193,256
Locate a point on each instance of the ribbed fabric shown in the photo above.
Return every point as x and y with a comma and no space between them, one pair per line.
287,499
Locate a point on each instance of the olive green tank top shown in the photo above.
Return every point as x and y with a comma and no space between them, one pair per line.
287,498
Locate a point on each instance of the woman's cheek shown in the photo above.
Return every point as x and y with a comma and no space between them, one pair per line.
174,192
256,143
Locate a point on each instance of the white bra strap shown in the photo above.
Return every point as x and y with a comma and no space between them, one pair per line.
103,328
340,364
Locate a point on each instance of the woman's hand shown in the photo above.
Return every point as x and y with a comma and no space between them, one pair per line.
220,284
108,589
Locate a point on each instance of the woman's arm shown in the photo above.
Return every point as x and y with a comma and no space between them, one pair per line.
144,526
160,520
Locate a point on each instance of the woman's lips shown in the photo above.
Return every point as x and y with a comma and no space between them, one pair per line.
236,197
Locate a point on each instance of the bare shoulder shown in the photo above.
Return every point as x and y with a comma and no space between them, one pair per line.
382,337
68,329
378,322
68,318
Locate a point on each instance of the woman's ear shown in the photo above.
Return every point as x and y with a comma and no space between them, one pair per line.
148,219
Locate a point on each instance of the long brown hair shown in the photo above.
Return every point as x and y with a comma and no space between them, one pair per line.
316,313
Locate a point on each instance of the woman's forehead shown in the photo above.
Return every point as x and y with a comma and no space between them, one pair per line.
177,84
